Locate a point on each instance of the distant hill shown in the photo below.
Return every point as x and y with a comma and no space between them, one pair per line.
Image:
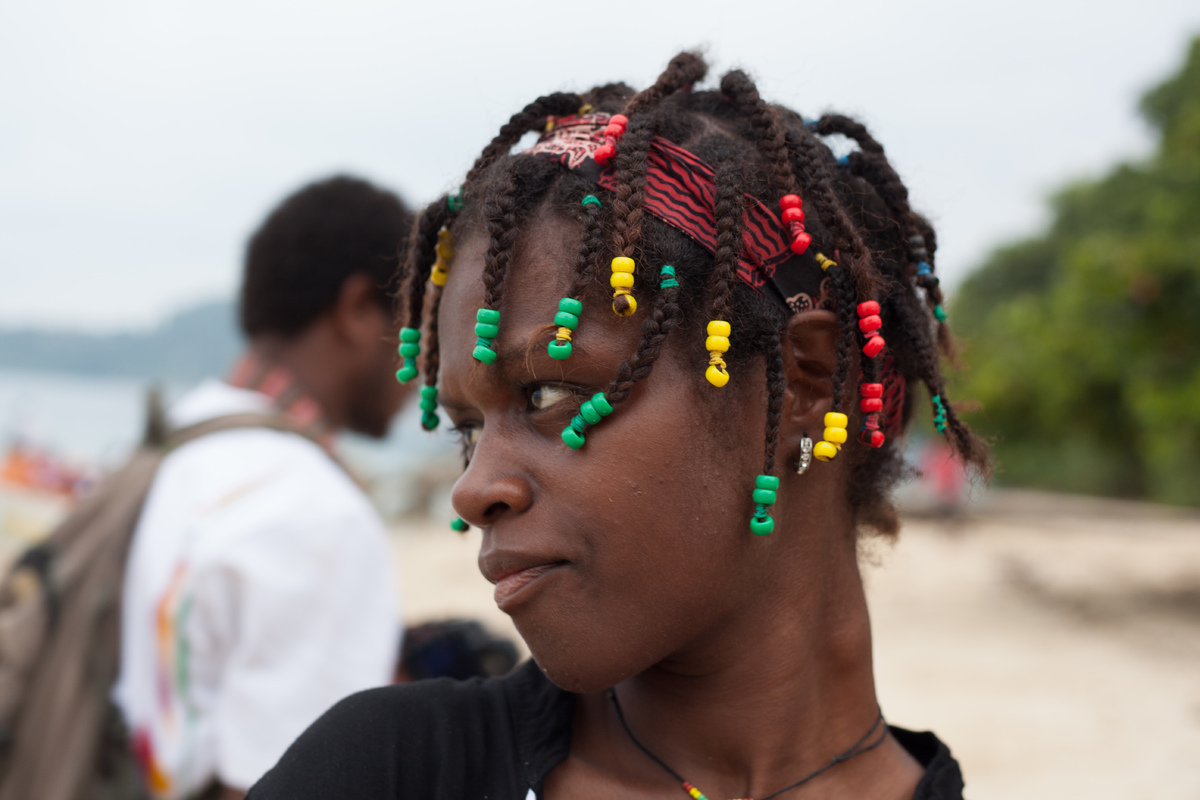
196,343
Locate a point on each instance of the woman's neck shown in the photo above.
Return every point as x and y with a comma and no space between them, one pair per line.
759,702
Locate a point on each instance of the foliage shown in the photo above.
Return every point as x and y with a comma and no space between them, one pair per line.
1084,343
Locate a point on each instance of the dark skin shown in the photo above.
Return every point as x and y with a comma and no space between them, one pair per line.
346,361
744,662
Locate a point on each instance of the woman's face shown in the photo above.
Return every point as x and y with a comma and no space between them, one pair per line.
635,548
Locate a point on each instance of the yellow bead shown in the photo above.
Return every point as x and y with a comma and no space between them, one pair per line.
716,376
825,262
719,328
438,277
824,451
718,343
622,264
621,280
835,435
836,420
630,309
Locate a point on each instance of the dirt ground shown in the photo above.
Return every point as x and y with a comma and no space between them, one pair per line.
1053,643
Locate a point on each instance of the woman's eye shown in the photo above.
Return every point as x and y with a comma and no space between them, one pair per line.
544,396
468,435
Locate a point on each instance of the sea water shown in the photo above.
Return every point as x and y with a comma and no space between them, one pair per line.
95,422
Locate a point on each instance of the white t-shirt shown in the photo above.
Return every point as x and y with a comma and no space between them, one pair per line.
258,593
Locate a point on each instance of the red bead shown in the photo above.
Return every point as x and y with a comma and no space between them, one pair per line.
871,390
603,153
873,346
793,214
800,243
615,131
869,404
619,120
870,324
877,438
789,201
867,308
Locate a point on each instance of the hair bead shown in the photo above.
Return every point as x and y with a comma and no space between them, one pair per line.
455,201
621,282
666,278
591,200
445,252
716,344
567,319
824,262
792,215
613,132
410,348
487,327
939,414
834,436
591,412
429,417
869,323
459,524
765,487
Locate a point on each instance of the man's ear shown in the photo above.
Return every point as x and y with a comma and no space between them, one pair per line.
357,310
809,361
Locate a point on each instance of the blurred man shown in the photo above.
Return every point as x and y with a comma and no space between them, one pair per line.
258,589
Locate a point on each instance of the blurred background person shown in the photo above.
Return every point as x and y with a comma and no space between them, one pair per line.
258,589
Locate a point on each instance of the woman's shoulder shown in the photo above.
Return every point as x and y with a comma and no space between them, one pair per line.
437,737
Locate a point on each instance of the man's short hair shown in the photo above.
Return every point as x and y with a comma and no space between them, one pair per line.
298,259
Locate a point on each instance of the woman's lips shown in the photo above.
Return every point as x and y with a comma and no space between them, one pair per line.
510,586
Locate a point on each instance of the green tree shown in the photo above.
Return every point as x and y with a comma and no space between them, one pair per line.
1084,343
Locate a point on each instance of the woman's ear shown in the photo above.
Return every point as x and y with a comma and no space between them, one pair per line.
809,361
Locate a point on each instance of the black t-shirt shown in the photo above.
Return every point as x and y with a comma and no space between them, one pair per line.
490,739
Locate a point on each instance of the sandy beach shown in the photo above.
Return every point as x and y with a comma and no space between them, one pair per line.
1053,643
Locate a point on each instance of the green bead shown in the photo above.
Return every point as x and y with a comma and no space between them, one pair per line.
667,278
488,315
559,350
762,526
591,200
573,438
429,391
669,283
485,354
487,330
589,413
579,423
940,313
406,373
767,482
571,306
455,201
428,404
429,421
410,349
764,496
410,335
601,404
566,320
459,525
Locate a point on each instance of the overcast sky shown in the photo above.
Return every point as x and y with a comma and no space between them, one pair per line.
141,141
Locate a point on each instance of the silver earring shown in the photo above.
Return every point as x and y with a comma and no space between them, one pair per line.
806,448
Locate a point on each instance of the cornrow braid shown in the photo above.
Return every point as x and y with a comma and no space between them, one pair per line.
772,346
628,199
743,93
665,314
811,158
532,117
683,70
422,246
570,307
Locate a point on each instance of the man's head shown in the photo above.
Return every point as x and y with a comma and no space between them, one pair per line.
315,296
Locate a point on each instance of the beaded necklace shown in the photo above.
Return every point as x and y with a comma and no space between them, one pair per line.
856,750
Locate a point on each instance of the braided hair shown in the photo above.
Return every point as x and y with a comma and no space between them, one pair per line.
859,211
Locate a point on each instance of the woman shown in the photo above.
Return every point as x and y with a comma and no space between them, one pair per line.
678,551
